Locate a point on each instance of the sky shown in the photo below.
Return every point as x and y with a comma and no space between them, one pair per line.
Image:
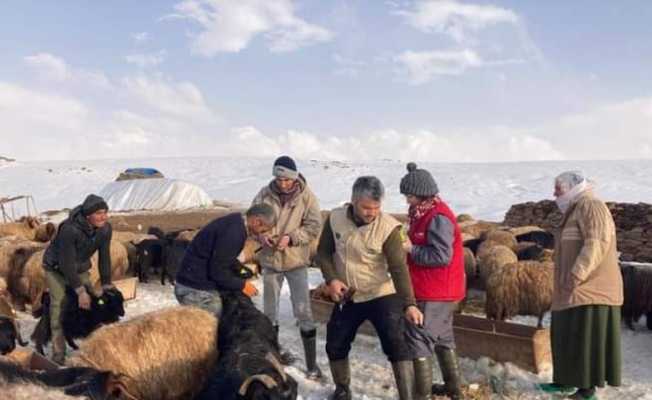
425,80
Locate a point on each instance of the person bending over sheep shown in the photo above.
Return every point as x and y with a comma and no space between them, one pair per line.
67,262
435,257
587,293
207,266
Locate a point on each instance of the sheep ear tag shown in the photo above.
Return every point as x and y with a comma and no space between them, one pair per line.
100,302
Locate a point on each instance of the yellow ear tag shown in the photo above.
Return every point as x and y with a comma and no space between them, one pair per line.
100,302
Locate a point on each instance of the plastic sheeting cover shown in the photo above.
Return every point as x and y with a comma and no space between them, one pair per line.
154,194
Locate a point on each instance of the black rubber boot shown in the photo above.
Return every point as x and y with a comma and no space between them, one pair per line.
342,378
309,339
450,371
287,358
404,376
423,378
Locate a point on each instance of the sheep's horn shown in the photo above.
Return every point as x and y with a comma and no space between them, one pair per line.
266,380
277,365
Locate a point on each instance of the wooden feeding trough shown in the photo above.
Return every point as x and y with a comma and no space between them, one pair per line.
475,337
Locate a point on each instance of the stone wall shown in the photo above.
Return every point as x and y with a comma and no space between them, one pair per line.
633,224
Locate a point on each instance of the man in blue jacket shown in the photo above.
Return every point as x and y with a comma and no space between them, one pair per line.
209,265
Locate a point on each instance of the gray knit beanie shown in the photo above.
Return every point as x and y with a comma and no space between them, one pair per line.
418,182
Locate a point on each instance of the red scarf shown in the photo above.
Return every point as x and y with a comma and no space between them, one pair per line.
419,210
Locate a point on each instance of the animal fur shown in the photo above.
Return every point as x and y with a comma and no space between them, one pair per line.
164,355
27,286
248,366
18,383
9,328
77,322
28,228
520,288
637,287
493,258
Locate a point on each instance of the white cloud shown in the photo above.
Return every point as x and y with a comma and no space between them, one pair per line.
455,19
181,99
421,67
146,60
140,37
49,66
55,69
230,26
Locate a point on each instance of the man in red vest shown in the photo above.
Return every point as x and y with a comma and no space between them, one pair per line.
435,258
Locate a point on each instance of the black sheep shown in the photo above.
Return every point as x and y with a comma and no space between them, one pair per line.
542,238
87,382
637,287
9,336
248,365
77,322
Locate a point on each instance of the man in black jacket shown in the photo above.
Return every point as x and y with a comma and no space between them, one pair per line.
208,267
67,261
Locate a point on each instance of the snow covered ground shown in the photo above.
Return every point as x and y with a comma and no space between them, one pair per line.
483,190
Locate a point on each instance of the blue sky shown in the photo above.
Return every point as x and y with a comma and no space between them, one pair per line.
339,79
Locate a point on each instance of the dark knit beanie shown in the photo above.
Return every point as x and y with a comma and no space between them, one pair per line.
93,203
418,182
285,167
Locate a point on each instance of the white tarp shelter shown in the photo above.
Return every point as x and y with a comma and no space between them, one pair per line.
154,194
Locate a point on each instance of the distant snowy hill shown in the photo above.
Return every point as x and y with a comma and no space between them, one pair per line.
484,190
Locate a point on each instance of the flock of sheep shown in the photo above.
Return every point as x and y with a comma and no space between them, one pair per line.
154,356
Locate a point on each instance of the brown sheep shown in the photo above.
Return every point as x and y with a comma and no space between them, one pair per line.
494,258
477,228
155,353
470,264
464,218
523,287
28,228
503,237
8,249
29,285
31,391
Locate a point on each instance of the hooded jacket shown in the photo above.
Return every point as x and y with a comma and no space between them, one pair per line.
76,241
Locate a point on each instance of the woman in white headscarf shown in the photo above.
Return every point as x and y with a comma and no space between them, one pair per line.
588,293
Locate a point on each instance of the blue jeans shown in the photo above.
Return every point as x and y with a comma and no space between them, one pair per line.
208,300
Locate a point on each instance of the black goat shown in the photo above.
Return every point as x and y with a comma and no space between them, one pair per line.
150,254
77,322
163,254
248,365
76,381
9,335
637,287
542,238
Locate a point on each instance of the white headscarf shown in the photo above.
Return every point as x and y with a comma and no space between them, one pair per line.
571,185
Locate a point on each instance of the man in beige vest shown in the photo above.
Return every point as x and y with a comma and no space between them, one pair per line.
285,254
361,257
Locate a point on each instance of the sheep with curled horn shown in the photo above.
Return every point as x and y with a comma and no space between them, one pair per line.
248,366
162,355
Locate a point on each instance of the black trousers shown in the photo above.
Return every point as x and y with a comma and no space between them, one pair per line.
385,314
